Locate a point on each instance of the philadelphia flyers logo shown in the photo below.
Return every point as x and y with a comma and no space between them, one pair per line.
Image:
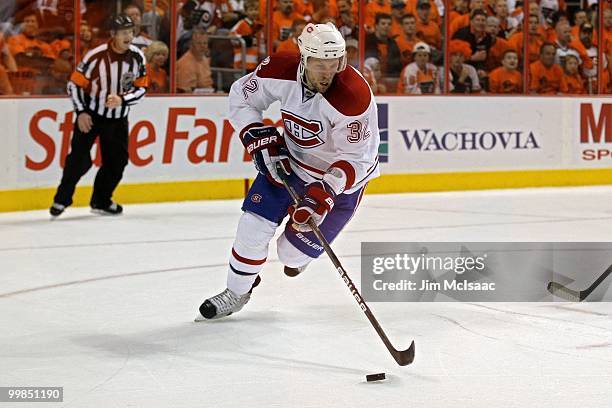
304,133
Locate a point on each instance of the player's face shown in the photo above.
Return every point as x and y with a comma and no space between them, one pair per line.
510,61
123,38
320,72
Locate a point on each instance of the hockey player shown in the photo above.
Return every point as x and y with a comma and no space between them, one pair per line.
329,147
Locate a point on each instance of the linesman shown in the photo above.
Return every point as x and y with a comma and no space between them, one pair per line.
110,79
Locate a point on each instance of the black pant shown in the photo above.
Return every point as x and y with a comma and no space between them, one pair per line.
113,135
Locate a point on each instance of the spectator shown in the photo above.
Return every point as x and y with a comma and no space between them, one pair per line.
57,15
193,72
545,75
463,78
607,32
372,9
321,12
506,79
427,30
347,19
250,29
580,17
460,8
572,83
434,14
282,20
480,42
408,38
397,12
535,39
27,42
566,44
586,39
507,24
464,20
499,44
141,38
157,56
290,44
87,38
382,47
7,61
420,76
373,74
352,52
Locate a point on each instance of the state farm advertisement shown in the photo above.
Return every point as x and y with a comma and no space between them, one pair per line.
170,139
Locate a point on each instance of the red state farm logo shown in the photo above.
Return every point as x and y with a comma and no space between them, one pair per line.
596,129
304,133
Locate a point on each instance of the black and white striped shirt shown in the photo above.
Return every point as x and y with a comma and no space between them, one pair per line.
103,72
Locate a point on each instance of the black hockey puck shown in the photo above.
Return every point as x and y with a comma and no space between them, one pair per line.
375,377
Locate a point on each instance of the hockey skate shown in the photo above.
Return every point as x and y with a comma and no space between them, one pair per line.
112,209
293,272
224,304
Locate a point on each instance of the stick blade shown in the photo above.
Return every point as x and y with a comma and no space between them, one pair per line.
563,292
405,357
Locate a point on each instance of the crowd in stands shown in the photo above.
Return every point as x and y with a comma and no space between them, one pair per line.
410,46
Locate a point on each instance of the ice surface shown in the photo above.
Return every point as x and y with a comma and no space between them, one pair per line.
104,307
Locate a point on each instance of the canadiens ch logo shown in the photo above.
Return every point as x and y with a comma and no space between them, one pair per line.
304,133
256,198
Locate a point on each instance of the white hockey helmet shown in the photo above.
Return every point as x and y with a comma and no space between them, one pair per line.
322,41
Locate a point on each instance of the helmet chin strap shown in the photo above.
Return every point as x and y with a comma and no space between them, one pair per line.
304,77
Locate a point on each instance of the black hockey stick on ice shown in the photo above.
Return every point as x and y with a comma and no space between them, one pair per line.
402,358
566,293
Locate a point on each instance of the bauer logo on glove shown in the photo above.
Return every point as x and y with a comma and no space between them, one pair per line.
266,147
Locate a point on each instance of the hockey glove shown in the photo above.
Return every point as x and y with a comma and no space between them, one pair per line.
316,203
267,147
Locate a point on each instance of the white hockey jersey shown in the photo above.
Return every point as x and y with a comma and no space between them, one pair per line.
323,132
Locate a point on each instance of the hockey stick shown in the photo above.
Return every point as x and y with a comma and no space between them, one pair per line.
402,358
566,293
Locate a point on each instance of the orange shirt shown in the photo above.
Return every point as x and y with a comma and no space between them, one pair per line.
281,25
516,42
496,53
458,23
20,43
373,8
545,81
289,45
430,33
572,85
158,80
396,29
434,14
245,29
406,46
502,81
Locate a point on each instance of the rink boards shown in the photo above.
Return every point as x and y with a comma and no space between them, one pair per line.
183,148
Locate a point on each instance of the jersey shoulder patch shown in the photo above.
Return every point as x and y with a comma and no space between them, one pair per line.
349,93
282,65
